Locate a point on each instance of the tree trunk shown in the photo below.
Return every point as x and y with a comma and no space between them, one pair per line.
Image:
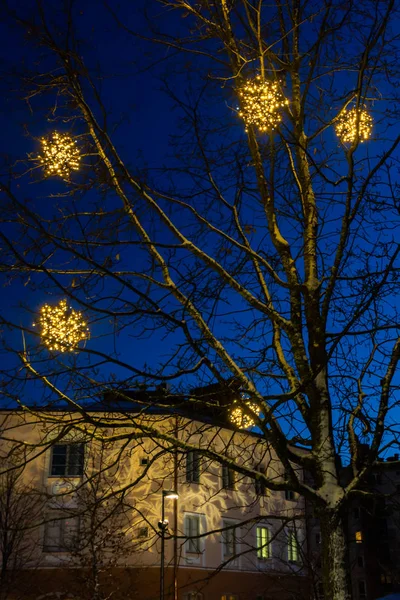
335,555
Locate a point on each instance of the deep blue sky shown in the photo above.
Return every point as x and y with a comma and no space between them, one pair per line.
144,118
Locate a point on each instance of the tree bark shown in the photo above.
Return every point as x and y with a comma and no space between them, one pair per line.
335,559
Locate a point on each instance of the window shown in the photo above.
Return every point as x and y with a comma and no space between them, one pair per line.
383,527
230,597
293,547
61,534
360,561
259,484
228,478
193,596
263,543
359,537
229,540
143,532
362,592
193,460
290,495
144,461
320,590
318,538
67,460
192,531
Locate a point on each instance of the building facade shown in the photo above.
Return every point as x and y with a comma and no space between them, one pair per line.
101,493
373,534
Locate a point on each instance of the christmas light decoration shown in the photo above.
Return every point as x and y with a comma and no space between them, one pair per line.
239,418
60,155
354,124
261,103
62,327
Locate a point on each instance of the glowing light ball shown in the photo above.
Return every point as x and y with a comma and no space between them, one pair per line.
60,155
240,419
261,103
62,327
354,124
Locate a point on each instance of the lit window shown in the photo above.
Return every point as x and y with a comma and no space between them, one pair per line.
293,547
61,534
193,461
192,532
263,543
67,460
228,478
193,596
229,597
359,537
229,540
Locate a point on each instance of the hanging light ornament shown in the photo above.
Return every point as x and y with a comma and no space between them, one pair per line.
239,418
62,327
354,124
60,155
261,103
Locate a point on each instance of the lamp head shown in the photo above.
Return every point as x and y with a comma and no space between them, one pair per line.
163,525
170,494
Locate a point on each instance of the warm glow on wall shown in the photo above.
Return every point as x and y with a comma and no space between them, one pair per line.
261,102
239,418
62,327
60,155
354,124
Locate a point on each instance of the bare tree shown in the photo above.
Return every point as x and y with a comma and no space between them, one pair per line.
20,512
103,541
264,260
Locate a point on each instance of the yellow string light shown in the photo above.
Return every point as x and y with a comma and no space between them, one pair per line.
261,103
354,124
239,418
60,155
62,327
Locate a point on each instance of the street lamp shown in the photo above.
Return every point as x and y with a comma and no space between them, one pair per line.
163,525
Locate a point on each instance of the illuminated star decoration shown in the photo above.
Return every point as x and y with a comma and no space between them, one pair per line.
60,155
261,103
240,419
62,327
354,124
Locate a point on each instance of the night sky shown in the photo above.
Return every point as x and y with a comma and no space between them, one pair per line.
141,84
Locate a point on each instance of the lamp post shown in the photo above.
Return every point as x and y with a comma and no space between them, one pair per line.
163,525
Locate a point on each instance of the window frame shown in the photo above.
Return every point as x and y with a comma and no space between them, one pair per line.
264,551
193,543
293,547
260,488
193,466
69,460
63,532
228,478
193,595
290,496
362,594
229,537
